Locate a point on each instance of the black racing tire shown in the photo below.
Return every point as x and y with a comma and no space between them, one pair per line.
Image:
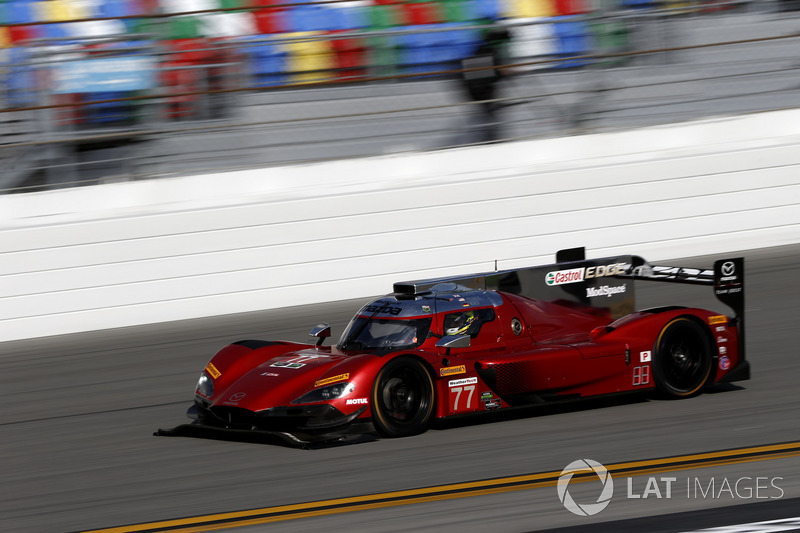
402,398
682,358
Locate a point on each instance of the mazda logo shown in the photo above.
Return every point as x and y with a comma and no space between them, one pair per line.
728,268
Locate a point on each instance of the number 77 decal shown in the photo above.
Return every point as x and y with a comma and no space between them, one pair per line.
455,397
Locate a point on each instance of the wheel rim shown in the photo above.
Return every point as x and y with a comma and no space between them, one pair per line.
402,397
683,365
683,358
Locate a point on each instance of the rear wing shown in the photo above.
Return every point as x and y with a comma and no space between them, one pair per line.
605,283
726,276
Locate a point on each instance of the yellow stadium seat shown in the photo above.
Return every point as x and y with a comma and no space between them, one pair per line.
57,11
309,60
680,6
528,8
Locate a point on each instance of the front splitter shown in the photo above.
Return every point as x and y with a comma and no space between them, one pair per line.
354,433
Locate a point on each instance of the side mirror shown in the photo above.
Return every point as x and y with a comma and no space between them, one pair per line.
453,341
321,332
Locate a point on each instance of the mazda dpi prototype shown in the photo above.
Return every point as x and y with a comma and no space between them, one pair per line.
448,347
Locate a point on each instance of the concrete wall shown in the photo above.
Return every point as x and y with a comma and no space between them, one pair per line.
150,251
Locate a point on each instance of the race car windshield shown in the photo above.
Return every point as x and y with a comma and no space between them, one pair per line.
384,334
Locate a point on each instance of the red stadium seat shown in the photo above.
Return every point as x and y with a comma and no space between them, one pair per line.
572,7
350,57
177,78
423,13
270,20
19,34
191,51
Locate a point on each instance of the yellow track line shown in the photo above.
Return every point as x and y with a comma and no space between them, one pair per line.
214,522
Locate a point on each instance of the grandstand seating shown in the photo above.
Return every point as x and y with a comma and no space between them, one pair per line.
286,44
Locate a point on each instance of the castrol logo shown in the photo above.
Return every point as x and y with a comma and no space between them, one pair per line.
575,275
562,277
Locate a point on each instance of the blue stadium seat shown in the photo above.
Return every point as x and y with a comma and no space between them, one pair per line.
310,18
20,83
57,30
19,12
639,4
266,62
488,9
348,18
108,112
572,38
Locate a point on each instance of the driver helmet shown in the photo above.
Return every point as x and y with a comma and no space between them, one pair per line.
459,323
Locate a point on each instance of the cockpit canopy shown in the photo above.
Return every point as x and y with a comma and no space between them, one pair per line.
396,322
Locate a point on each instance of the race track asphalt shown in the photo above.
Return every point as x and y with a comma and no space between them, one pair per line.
78,451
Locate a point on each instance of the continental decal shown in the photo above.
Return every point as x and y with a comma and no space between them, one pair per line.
717,319
212,371
332,379
452,370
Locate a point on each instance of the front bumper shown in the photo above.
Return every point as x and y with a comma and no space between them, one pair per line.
299,426
313,418
359,432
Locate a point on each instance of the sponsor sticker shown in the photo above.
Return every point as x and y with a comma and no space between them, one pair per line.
600,271
605,290
575,275
562,277
491,404
357,401
724,363
332,379
382,307
645,357
717,319
270,374
452,370
486,396
461,382
286,364
212,371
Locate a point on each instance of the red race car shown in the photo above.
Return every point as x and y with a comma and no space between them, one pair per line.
453,346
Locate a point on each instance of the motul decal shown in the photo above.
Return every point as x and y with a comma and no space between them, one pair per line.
357,401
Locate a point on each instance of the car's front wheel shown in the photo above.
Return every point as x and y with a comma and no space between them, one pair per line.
402,398
682,358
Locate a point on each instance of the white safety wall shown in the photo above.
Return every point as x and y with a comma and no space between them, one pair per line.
134,253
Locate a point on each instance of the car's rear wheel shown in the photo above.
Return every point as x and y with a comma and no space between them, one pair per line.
682,358
402,398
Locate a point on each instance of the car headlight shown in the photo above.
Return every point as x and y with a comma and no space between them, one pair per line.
322,394
205,386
